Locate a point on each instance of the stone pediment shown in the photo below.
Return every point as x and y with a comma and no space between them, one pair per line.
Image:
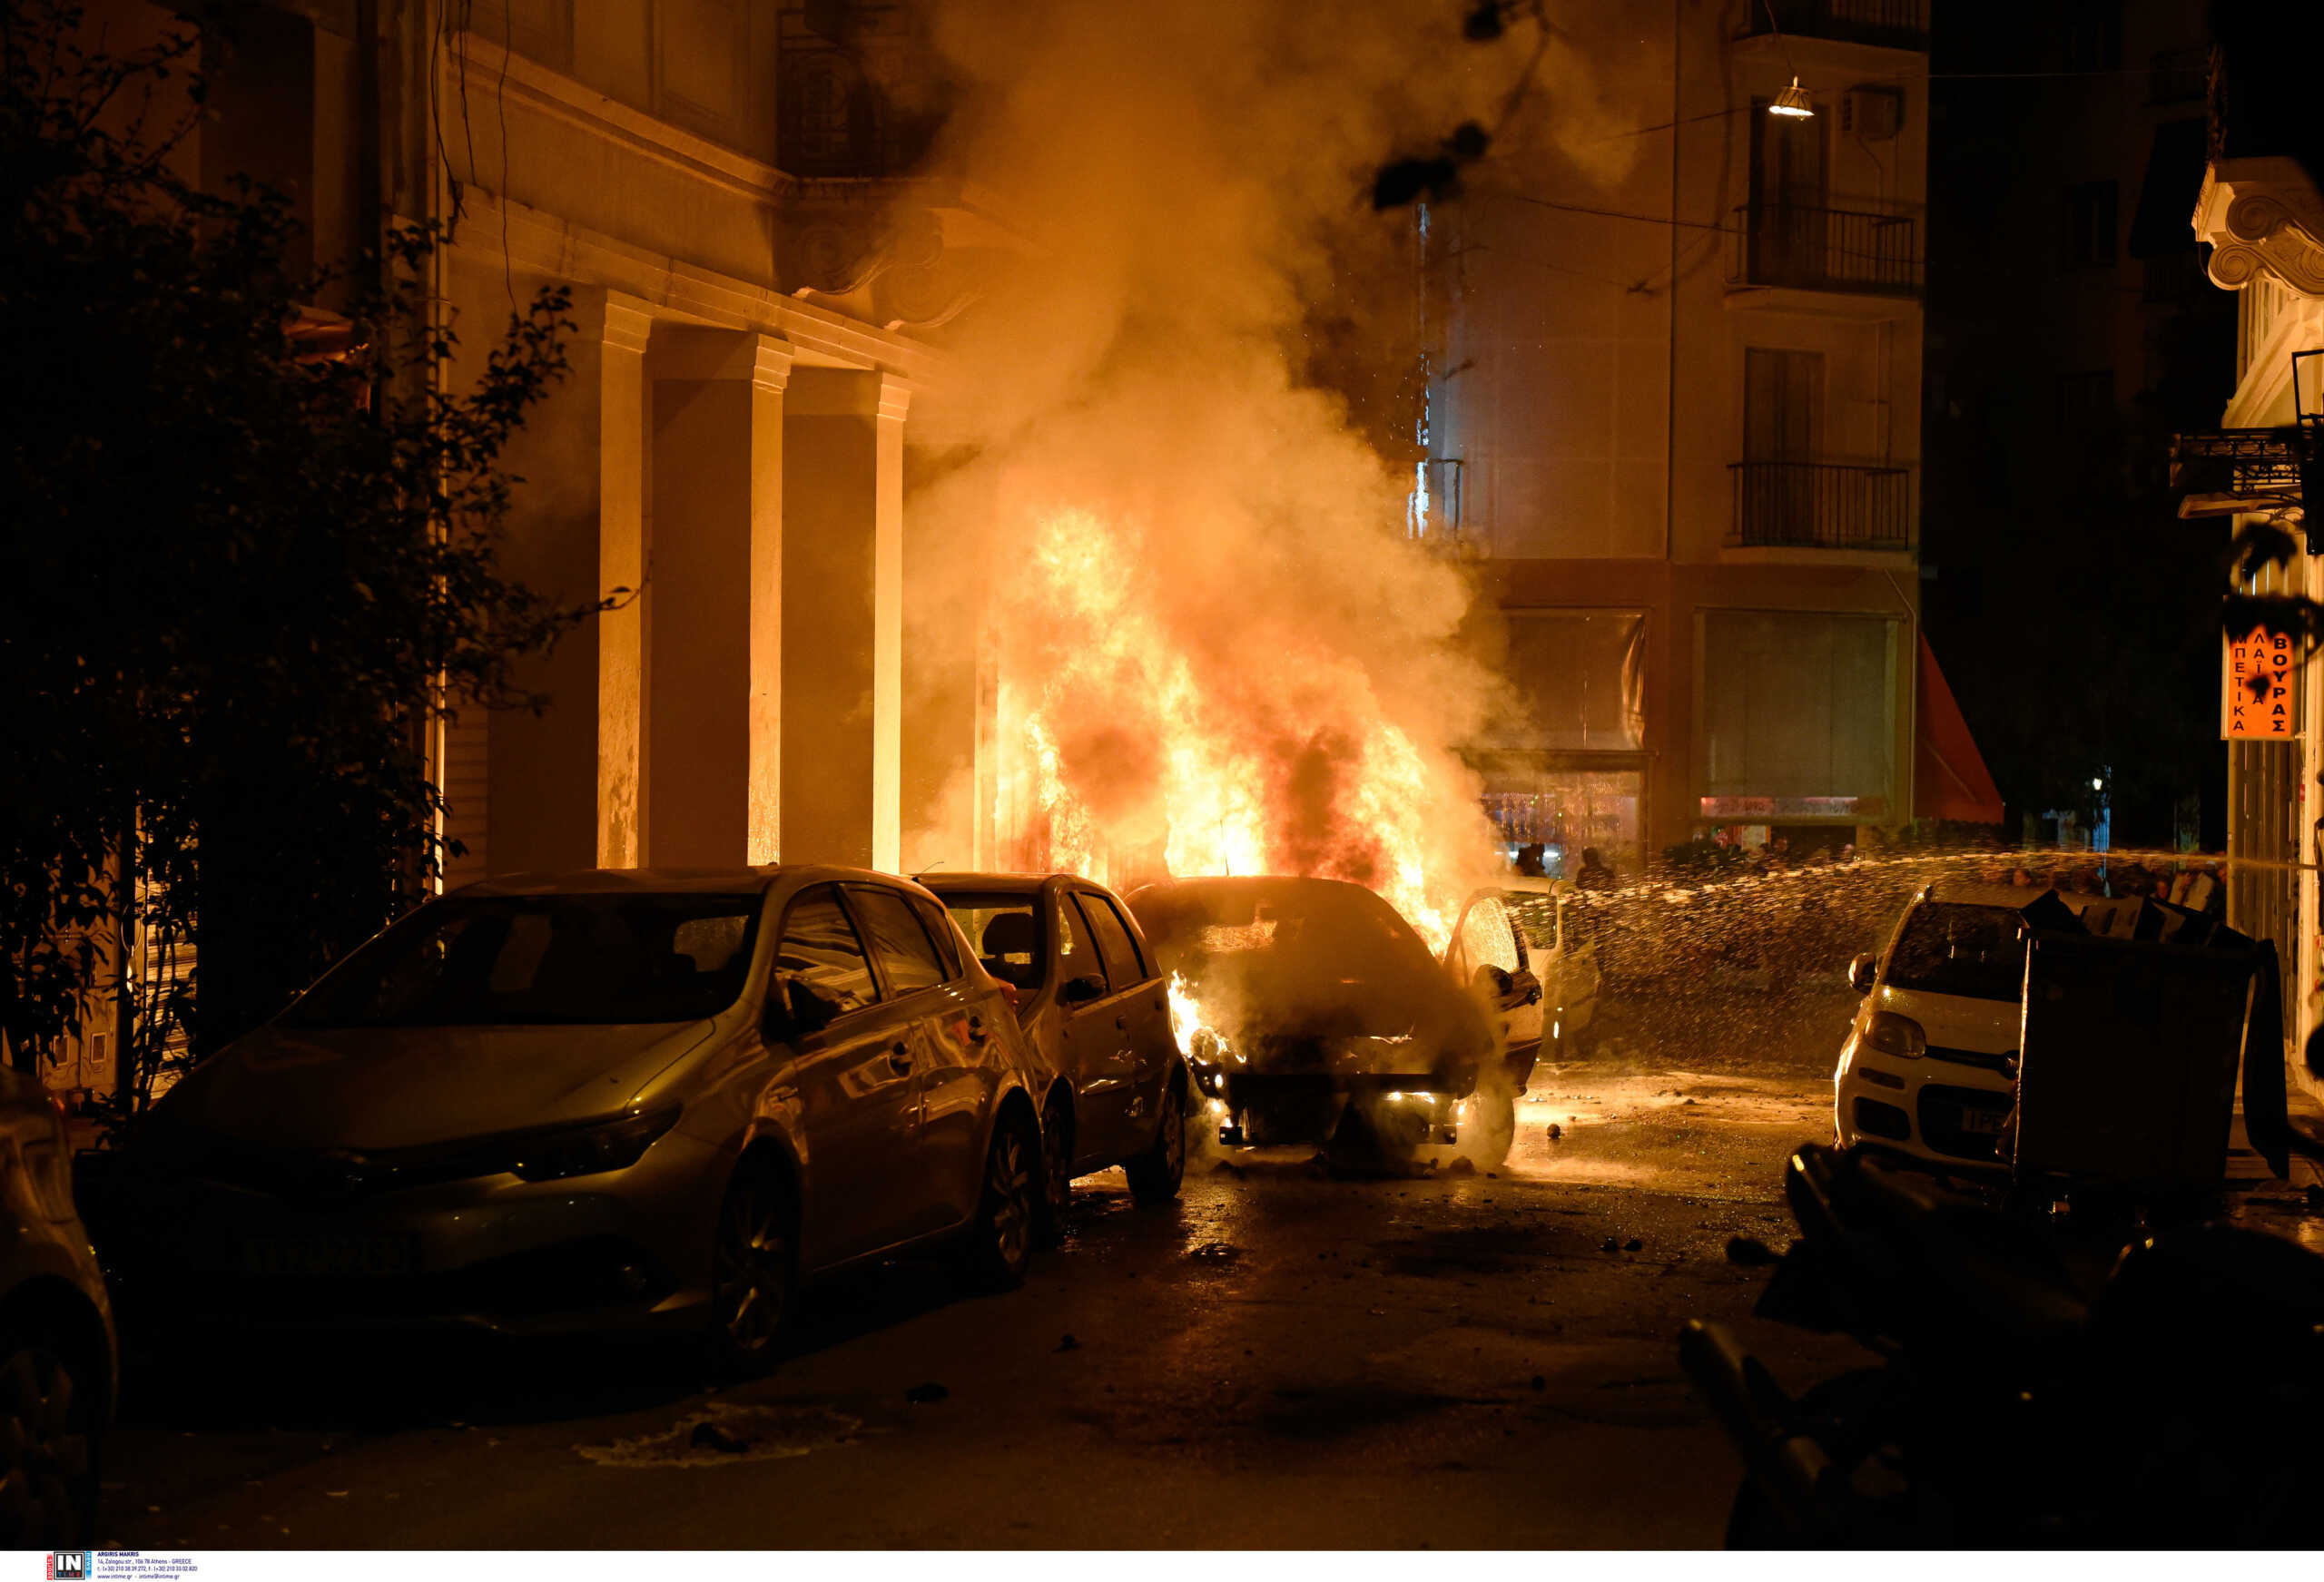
2262,216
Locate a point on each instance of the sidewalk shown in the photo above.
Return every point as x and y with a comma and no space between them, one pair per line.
2293,1208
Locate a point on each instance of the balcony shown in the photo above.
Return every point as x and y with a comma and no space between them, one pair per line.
1795,247
1820,504
1889,23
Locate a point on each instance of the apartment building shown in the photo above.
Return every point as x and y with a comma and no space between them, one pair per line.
2261,214
1674,412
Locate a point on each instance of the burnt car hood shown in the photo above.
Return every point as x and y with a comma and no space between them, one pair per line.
1276,1018
384,1088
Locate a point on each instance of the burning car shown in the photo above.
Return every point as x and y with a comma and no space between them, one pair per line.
1313,1012
1096,1015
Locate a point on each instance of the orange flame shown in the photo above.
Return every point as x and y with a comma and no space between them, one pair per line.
1126,754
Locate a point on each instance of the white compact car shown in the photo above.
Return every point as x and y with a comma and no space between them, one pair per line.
1930,1067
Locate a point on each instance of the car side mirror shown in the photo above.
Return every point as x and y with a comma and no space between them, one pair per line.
1081,990
1862,973
1493,983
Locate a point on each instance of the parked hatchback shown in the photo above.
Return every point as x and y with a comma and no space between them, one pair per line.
1929,1068
1096,1015
600,1100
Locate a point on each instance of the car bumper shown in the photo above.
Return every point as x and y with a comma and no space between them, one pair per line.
1939,1112
624,1250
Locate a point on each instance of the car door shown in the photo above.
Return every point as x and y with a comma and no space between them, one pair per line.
1141,1008
957,1082
1486,958
1097,1054
859,1093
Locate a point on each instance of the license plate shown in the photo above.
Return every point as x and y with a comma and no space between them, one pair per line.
1984,1122
325,1257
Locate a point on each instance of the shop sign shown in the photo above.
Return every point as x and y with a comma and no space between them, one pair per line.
2257,703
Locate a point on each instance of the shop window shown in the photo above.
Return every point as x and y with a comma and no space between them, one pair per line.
1798,706
1580,681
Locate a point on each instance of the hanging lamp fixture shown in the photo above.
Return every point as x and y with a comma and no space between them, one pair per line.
1793,103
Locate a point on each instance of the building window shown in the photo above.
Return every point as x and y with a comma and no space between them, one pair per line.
2093,35
1798,705
2090,216
1783,404
823,114
1578,677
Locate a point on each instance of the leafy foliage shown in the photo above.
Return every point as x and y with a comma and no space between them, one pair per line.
250,553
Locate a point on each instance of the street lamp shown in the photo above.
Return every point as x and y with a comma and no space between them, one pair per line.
1793,102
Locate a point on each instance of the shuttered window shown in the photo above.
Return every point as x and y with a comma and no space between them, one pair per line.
1797,704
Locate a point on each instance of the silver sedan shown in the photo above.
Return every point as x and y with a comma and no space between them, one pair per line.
598,1100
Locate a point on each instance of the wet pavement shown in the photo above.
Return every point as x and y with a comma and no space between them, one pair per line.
1281,1359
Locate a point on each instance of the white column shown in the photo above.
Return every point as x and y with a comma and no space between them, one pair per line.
621,563
715,666
894,396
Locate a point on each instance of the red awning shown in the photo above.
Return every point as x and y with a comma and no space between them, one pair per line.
1949,776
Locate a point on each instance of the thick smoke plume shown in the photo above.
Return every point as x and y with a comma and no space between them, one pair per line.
1220,650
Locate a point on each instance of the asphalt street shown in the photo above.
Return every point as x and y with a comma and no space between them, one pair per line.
1283,1358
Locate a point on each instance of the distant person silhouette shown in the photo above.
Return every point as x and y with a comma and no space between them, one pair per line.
1594,874
1529,861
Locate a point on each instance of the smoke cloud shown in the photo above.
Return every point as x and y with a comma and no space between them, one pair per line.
1219,649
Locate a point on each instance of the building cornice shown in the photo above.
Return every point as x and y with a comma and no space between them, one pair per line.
2263,217
673,289
493,70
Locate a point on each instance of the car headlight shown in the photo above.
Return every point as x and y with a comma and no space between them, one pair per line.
1891,1033
590,1150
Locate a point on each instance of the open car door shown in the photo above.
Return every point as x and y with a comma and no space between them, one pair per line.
1487,957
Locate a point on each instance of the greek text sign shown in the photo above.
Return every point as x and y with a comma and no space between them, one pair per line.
2258,702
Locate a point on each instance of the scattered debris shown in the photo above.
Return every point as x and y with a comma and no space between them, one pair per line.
1229,1166
1539,1382
1749,1252
927,1394
1609,1245
1215,1253
1632,1245
1464,1166
709,1436
1557,1133
1067,1343
335,1493
724,1433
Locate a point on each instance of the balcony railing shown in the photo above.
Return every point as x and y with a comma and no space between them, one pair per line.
1822,506
1891,24
1823,249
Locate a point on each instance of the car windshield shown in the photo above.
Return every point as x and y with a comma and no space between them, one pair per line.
1001,926
582,959
1344,932
1977,952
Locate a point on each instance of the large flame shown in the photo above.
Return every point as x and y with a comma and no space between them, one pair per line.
1129,753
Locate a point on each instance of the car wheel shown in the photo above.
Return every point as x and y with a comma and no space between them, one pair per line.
1056,1172
48,1433
1000,1243
1155,1174
753,1272
1489,1126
